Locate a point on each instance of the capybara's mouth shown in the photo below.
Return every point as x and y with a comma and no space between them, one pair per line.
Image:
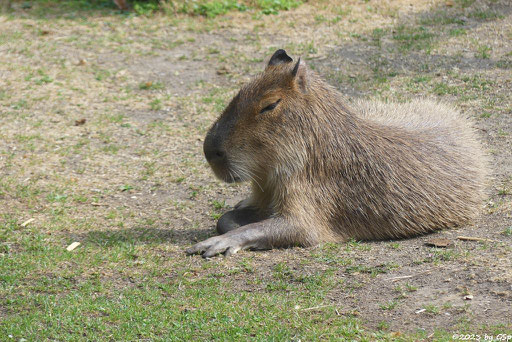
226,173
235,179
232,177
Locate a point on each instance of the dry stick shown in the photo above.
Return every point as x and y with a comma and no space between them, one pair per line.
400,278
73,246
186,218
408,276
24,224
471,238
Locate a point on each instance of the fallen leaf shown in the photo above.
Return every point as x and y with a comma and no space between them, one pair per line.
80,122
222,70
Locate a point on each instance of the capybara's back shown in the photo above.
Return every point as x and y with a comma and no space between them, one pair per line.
426,172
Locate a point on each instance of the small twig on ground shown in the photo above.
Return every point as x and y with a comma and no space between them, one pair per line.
400,278
393,279
471,238
186,219
73,246
24,224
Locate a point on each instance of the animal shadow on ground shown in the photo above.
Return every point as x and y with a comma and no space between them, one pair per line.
141,236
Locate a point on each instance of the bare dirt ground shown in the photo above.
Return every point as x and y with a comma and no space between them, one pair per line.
148,89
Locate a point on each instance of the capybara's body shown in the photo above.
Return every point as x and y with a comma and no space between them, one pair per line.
326,171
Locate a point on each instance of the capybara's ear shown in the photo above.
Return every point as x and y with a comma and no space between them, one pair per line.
279,57
299,75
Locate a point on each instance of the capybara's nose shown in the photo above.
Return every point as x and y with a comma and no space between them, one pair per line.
214,155
212,149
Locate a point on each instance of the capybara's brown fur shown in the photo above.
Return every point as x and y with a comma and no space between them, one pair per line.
325,170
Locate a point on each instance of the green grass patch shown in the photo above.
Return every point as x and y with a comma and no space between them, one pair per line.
431,309
413,38
212,8
156,104
440,18
442,88
485,15
389,305
464,3
455,32
146,7
149,85
74,9
483,52
218,7
274,6
504,64
88,294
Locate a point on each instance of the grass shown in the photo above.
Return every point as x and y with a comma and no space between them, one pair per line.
485,15
101,143
413,38
78,300
389,305
465,3
484,52
206,8
431,309
147,303
441,18
457,32
442,88
156,104
150,85
410,288
212,8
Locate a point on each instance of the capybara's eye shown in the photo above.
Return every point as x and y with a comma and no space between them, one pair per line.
270,107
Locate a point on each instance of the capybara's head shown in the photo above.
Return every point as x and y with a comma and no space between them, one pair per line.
260,130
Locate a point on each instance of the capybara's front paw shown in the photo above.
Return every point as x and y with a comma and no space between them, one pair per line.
216,245
250,236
